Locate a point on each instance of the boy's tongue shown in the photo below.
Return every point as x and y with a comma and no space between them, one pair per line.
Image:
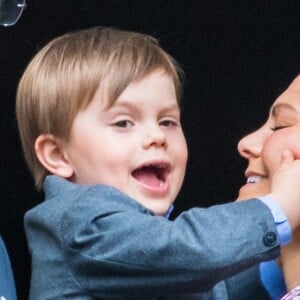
147,176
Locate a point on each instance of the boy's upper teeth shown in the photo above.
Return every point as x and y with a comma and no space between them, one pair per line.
253,179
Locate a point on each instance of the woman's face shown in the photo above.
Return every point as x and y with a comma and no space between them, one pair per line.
263,148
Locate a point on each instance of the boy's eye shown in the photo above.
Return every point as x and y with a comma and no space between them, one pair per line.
124,123
168,123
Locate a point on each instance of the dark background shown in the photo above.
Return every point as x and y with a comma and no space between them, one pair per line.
238,56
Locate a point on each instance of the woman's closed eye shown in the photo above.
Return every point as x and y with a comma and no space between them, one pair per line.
275,128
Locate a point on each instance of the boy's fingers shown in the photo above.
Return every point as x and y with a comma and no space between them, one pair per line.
287,158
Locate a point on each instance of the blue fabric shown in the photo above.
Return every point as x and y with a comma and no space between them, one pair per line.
270,273
102,244
282,224
168,213
7,284
272,278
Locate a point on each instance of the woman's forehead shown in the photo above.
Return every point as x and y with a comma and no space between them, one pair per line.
290,98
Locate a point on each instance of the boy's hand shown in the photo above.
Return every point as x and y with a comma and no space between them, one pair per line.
290,261
285,188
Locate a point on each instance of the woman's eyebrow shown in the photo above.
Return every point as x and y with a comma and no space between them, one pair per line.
275,110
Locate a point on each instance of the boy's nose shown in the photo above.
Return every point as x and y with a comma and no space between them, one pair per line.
155,137
251,145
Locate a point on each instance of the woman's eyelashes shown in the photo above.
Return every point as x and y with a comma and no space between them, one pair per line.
275,128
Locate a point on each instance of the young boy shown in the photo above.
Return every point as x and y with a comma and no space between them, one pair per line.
99,120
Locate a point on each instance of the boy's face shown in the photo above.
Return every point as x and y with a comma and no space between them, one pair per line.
136,145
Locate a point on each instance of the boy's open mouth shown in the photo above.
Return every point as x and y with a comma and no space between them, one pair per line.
152,175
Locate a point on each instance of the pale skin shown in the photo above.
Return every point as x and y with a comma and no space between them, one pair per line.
263,149
136,145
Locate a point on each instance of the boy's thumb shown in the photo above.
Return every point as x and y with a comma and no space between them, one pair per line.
287,158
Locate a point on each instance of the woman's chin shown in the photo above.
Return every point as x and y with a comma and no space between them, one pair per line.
252,190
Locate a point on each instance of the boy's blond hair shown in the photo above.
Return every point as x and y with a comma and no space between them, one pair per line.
63,77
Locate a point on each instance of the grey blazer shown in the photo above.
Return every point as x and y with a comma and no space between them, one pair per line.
94,242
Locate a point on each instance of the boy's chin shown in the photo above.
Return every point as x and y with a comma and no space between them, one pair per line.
159,209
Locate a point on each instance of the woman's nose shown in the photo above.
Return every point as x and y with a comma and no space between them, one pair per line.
251,145
155,137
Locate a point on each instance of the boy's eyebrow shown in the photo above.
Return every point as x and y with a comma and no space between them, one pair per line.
274,111
133,106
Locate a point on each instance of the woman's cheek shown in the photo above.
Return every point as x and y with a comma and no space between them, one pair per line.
271,159
272,152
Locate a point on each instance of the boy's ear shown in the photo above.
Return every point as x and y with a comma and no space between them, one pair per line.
50,152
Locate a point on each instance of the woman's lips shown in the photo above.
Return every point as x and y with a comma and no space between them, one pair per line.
257,185
254,179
